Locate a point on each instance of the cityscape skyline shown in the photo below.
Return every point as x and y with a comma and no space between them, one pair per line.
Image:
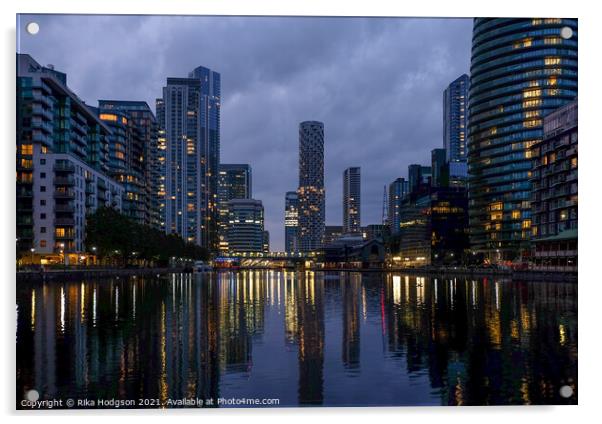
413,135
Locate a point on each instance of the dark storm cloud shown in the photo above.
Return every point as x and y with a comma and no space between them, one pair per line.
376,84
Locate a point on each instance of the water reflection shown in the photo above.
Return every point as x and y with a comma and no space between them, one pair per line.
303,337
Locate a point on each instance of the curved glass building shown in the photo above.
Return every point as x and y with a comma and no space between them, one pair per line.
521,70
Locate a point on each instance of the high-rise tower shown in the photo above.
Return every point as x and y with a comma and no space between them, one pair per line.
352,200
311,186
521,70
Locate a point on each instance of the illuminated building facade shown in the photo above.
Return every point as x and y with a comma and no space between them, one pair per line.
311,186
291,221
142,119
352,200
126,161
245,226
455,112
398,190
62,164
521,70
554,192
190,124
433,228
234,182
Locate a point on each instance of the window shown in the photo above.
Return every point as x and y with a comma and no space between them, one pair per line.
42,243
27,149
42,161
42,230
108,117
42,189
42,175
42,216
42,202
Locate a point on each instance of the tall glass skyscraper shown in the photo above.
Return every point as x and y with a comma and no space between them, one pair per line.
311,186
352,200
455,111
190,113
521,70
291,221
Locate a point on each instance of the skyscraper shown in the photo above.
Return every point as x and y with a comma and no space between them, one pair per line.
398,190
291,221
352,200
245,226
191,124
209,129
521,69
311,186
143,119
455,112
234,182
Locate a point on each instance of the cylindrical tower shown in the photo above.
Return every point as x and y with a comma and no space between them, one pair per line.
521,70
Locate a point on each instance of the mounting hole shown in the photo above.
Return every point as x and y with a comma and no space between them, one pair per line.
32,395
566,391
32,28
566,32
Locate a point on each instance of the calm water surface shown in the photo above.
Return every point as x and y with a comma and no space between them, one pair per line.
305,338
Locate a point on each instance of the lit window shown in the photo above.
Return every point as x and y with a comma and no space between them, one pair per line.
108,117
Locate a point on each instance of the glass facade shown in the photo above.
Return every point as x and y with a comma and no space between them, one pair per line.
455,113
521,70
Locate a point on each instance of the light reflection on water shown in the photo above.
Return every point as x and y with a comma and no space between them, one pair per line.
303,337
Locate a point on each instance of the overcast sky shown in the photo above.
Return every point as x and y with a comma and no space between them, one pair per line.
376,83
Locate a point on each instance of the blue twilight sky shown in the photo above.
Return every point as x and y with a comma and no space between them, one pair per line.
376,83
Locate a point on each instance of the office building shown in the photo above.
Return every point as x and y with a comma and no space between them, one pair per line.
311,186
62,165
291,221
190,112
440,168
419,178
521,70
266,242
433,228
245,226
332,233
352,200
554,192
234,182
455,114
398,190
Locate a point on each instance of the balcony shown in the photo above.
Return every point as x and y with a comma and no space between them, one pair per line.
64,235
64,194
64,181
64,167
64,208
64,222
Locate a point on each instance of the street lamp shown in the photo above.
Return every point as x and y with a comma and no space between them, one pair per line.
32,250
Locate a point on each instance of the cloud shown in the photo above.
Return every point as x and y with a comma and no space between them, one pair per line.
376,83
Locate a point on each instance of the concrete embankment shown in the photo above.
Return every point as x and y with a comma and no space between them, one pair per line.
87,273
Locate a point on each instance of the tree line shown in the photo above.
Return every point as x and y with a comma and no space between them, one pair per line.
114,237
